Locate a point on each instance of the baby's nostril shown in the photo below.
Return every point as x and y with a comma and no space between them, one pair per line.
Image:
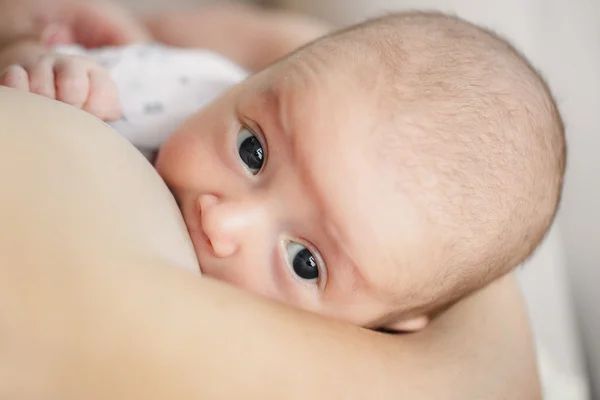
223,247
206,201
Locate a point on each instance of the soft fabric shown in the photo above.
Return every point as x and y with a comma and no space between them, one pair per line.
160,86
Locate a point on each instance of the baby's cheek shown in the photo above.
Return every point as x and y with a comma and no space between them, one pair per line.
165,161
174,162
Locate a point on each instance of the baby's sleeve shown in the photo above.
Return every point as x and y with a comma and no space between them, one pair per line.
160,87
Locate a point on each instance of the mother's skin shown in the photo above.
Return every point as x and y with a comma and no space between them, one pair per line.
94,304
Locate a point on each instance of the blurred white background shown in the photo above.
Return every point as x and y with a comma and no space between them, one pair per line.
562,38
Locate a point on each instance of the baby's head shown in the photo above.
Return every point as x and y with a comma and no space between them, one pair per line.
376,175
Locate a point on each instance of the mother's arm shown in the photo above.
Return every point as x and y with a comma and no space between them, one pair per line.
93,304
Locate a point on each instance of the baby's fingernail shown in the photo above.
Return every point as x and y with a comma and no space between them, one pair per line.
55,34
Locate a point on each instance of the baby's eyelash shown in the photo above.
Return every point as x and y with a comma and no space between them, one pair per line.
321,279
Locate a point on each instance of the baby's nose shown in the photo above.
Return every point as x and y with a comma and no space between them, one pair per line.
228,225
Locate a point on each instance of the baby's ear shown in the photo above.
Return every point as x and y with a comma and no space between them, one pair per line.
412,324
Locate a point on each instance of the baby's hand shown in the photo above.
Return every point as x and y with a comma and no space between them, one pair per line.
71,79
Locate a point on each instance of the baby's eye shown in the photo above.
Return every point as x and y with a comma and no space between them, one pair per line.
250,150
303,262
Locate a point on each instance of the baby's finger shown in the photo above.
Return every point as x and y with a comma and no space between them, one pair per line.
15,77
72,83
41,77
103,97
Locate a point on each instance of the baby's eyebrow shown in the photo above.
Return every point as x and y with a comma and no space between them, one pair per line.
274,99
269,96
354,278
340,262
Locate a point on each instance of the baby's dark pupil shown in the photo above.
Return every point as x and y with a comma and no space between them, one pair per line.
251,153
305,265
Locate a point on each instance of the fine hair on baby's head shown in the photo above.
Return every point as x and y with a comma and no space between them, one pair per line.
376,175
472,136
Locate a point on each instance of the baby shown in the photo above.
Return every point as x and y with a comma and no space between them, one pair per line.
376,175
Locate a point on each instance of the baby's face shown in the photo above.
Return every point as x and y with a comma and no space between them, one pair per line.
283,193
